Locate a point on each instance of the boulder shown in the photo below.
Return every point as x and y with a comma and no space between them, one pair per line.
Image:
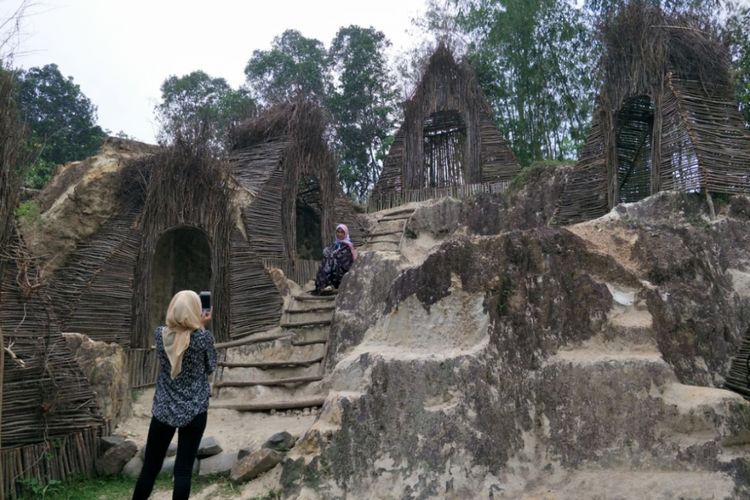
208,447
220,464
133,467
115,458
255,464
281,441
108,442
168,466
105,366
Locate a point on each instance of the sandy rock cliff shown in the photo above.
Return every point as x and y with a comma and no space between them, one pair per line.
497,358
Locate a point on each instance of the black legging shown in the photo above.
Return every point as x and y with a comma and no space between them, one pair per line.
159,437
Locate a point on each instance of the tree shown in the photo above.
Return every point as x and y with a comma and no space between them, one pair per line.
61,120
197,105
363,105
294,65
739,26
534,61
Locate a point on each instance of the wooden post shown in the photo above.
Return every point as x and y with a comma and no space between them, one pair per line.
2,378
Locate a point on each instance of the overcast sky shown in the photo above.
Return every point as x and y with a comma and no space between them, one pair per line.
120,52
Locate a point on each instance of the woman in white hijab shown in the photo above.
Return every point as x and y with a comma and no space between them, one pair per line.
186,358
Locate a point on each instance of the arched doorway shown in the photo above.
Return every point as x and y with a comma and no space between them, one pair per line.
635,122
444,136
309,244
182,261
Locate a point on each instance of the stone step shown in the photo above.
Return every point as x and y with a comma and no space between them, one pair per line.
388,227
270,382
241,374
705,414
309,306
271,405
396,217
396,240
310,336
281,350
397,211
315,298
305,317
263,393
383,247
251,339
397,232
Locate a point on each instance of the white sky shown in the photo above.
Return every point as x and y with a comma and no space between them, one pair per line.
120,52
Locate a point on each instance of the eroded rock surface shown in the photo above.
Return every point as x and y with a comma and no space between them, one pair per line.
526,362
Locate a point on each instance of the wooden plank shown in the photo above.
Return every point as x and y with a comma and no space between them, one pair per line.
306,324
262,365
281,381
271,405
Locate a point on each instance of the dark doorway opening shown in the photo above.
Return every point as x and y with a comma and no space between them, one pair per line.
444,139
182,261
309,244
634,140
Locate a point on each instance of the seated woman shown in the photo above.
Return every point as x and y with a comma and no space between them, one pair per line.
337,260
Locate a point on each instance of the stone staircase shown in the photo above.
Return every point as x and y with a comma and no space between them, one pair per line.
622,368
282,370
388,232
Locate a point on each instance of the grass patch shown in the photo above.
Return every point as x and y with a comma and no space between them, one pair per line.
533,172
28,212
118,488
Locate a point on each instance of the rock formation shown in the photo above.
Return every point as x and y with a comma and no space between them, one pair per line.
494,357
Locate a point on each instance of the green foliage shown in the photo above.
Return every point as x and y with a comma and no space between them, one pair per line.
120,488
533,171
363,104
739,28
60,118
294,66
39,173
28,212
32,488
534,61
196,106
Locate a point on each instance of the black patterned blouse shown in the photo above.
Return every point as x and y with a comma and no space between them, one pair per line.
178,401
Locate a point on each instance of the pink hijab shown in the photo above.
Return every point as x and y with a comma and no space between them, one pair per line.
346,240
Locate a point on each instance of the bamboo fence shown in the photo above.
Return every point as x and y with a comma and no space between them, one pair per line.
50,418
385,201
67,457
447,139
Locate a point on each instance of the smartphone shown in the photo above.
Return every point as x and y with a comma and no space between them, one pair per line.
205,300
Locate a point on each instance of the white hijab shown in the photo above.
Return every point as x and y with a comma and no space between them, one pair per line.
183,318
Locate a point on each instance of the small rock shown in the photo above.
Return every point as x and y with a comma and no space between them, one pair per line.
281,441
115,458
254,464
168,466
108,442
243,453
218,464
133,467
171,451
209,447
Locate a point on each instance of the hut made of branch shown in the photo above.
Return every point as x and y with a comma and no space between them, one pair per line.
665,120
184,219
49,420
283,163
448,140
